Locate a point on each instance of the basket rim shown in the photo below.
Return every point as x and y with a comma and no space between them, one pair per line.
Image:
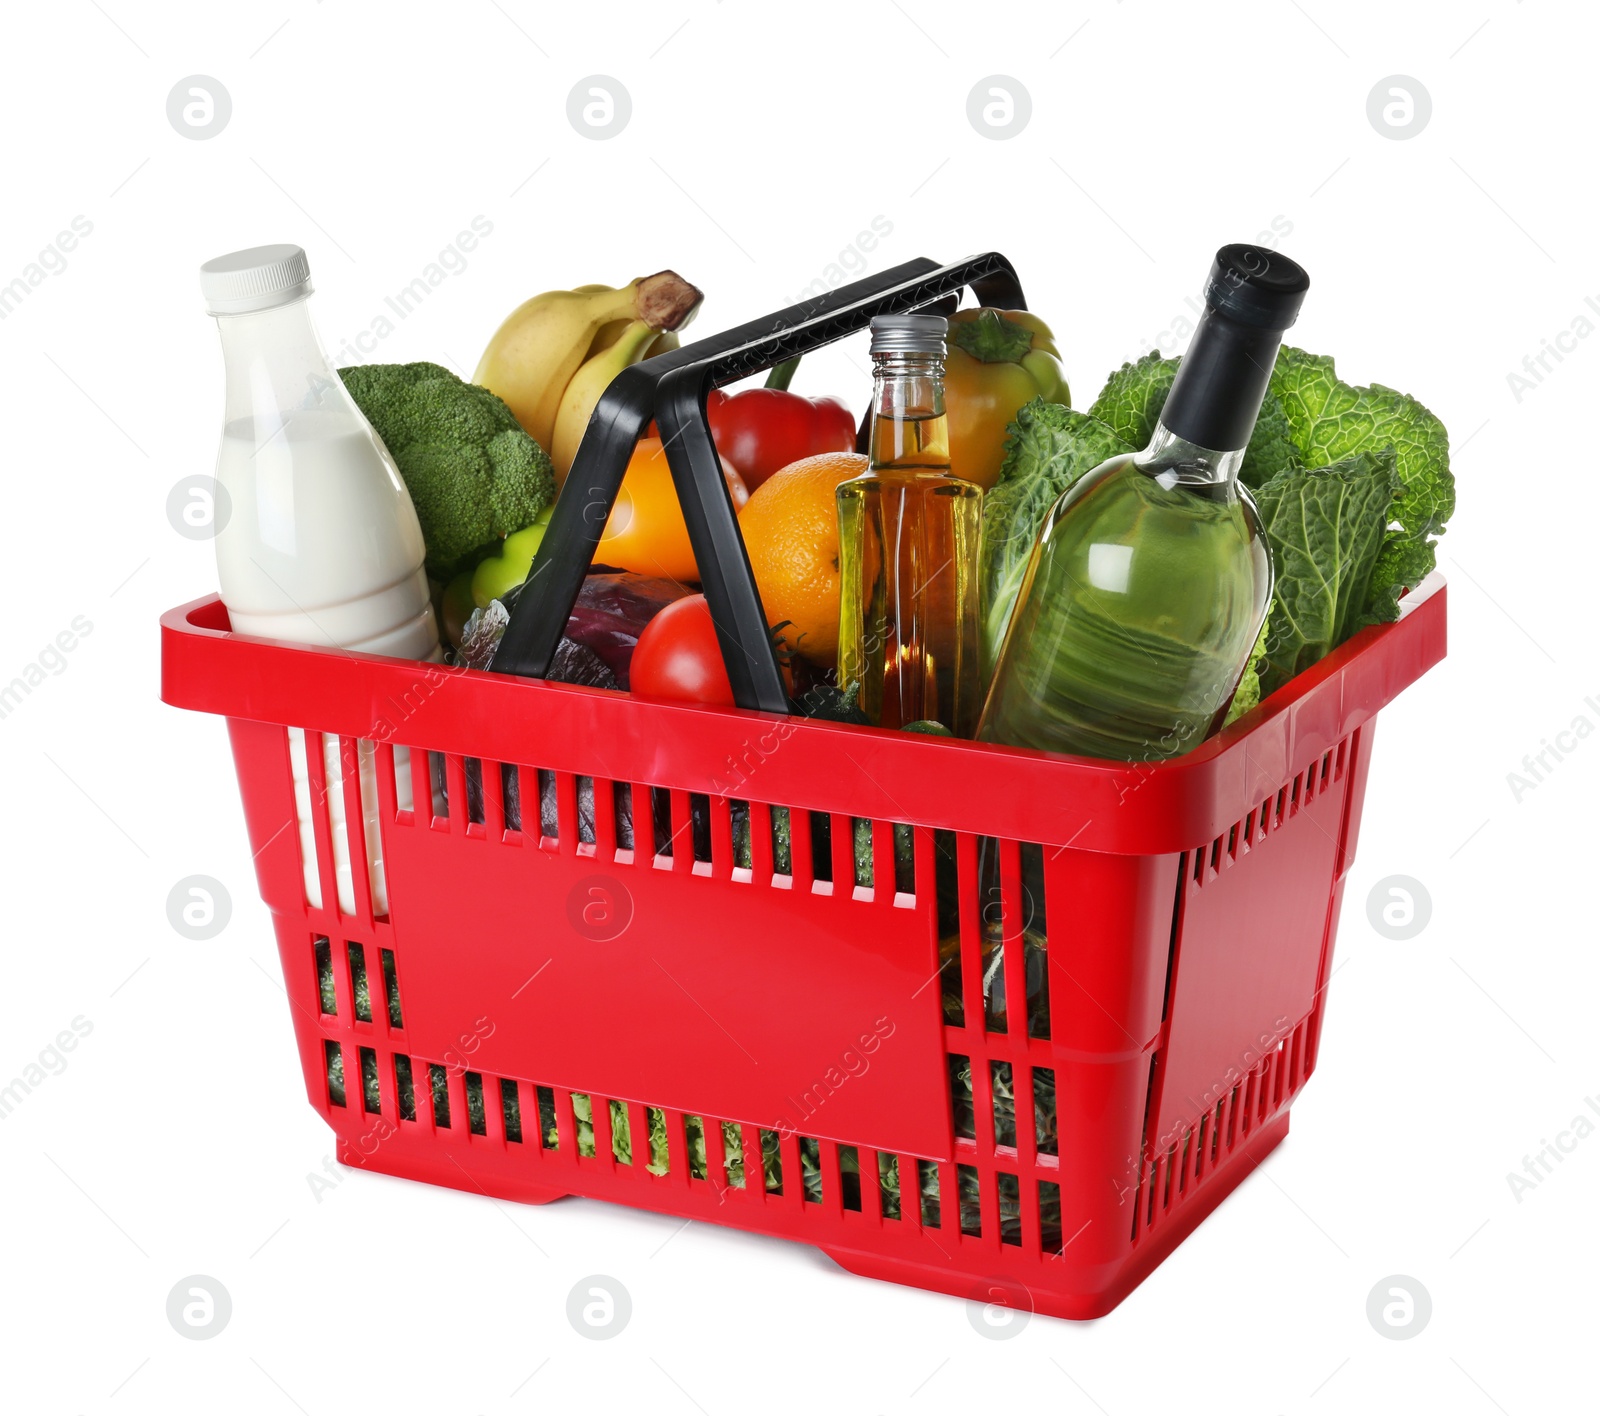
1041,796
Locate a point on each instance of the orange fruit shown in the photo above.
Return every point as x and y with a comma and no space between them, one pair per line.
791,534
645,532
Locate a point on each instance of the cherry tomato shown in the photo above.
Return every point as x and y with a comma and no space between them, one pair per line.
678,656
645,532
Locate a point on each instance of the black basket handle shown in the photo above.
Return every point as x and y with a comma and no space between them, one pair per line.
672,387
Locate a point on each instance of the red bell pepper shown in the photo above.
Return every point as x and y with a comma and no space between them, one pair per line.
763,429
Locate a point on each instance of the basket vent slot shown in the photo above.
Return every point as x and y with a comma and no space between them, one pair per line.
1050,1216
511,795
334,1060
1010,1188
621,1132
655,1120
700,826
850,1177
991,933
861,830
371,1096
971,1209
740,827
300,770
1005,1104
820,834
405,1087
322,951
583,1121
928,1188
1044,1111
962,1117
661,820
359,988
888,1185
694,1130
391,988
1036,940
811,1169
733,1164
948,906
586,831
621,815
439,1090
510,1110
778,818
905,860
772,1162
549,811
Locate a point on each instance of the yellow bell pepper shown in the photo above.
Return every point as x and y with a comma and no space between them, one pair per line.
997,360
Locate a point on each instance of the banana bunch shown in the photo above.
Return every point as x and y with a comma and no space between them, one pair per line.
554,355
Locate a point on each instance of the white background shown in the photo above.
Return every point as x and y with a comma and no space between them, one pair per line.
763,139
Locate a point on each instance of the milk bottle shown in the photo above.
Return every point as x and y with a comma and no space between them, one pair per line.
321,544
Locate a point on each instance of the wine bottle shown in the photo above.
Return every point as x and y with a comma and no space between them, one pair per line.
908,545
1151,577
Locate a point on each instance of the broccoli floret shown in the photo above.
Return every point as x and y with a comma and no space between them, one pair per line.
473,474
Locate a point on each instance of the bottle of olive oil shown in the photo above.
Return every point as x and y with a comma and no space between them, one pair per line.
1151,577
908,545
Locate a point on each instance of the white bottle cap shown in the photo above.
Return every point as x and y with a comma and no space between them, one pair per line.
260,278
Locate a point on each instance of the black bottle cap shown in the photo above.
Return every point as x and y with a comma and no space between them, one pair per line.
1256,287
1252,296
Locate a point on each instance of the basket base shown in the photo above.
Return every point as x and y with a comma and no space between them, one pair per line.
1076,1304
1080,1295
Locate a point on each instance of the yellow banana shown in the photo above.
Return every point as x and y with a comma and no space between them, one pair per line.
610,332
577,403
535,353
607,335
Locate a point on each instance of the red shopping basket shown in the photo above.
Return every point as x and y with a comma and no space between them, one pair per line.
737,966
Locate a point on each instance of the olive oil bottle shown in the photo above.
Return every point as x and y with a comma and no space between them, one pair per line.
908,545
1151,577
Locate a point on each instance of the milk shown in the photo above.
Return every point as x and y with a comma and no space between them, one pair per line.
320,544
322,547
